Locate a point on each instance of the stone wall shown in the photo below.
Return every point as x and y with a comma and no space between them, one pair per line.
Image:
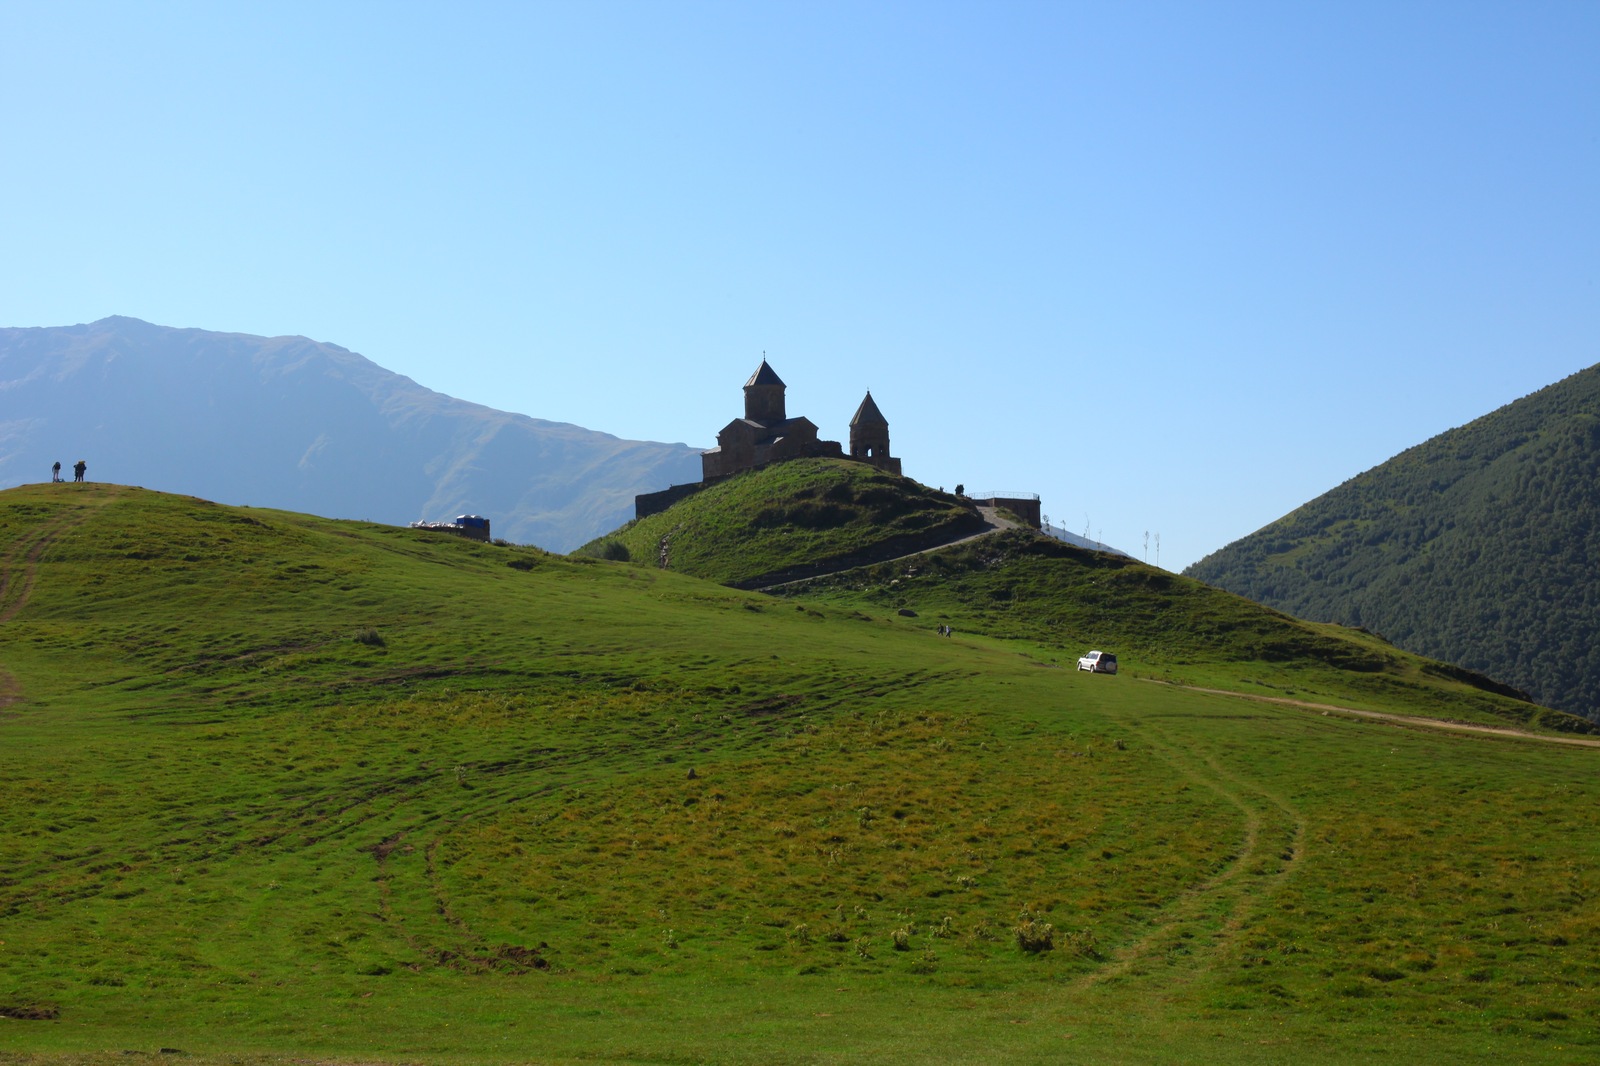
649,503
1024,507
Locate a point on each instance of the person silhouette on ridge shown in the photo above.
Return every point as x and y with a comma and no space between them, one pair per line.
78,468
55,472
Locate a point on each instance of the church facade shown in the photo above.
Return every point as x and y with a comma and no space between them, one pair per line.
766,434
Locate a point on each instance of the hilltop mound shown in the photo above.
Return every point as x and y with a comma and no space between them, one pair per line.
769,524
1480,547
288,788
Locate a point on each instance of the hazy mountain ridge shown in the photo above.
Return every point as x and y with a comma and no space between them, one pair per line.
295,423
1479,547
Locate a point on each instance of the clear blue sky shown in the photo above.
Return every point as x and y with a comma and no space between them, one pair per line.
1178,268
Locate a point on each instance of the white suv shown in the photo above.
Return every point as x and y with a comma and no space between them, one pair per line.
1098,662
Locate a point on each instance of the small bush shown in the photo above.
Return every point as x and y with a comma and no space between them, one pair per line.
1034,936
614,550
1084,943
370,637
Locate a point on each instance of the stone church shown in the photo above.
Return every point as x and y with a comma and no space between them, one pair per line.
766,434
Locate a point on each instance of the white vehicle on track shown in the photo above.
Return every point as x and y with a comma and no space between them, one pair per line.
1098,662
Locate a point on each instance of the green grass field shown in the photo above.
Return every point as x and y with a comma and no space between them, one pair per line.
275,788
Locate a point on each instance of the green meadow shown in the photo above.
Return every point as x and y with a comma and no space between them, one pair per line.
280,789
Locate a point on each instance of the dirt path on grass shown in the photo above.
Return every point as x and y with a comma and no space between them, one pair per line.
1382,716
19,569
1201,923
991,516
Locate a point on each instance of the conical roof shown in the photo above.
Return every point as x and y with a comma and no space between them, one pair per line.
765,376
868,414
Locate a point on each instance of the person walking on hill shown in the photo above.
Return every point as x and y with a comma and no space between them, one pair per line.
78,468
55,472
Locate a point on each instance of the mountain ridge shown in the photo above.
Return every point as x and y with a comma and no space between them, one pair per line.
301,424
1479,547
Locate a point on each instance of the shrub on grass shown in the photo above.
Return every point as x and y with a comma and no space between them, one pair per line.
370,637
609,548
1083,942
1034,936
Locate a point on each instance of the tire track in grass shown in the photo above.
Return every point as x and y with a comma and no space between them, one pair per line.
10,693
1269,849
452,943
19,570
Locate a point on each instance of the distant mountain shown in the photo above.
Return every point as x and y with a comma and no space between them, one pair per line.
1480,547
291,423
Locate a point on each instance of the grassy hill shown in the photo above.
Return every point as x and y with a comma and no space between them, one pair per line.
1061,601
274,787
1480,547
764,522
1019,586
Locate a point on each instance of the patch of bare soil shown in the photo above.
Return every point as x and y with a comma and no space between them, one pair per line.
30,1012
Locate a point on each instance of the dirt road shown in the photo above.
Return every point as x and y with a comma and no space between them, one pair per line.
1382,716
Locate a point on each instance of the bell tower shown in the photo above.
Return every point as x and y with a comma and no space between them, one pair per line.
869,437
763,396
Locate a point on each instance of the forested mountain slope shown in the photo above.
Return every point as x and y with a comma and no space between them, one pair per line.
1480,547
294,423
